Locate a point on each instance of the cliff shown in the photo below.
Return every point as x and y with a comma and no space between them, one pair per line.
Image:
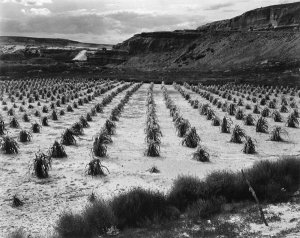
277,16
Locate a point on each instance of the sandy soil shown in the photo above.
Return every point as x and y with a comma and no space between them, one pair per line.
68,187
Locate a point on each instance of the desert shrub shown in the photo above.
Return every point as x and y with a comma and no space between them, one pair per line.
45,121
83,122
292,121
182,126
54,115
9,145
89,117
225,125
14,123
2,127
95,168
77,128
265,112
201,154
25,136
57,150
277,116
41,165
276,133
205,208
284,109
262,125
110,127
249,146
153,148
249,120
68,138
185,191
71,225
256,109
99,147
237,134
191,139
139,207
36,128
216,121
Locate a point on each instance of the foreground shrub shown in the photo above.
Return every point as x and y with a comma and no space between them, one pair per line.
9,145
57,150
205,208
138,207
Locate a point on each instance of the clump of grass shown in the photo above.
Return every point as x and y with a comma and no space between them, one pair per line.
77,129
191,138
276,133
292,121
2,127
9,145
17,202
110,127
95,168
45,121
83,122
262,125
138,206
249,120
14,123
277,116
25,136
68,138
204,209
201,154
237,134
153,148
41,165
182,126
57,150
26,118
226,125
249,146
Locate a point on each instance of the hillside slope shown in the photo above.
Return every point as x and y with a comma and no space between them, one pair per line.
215,50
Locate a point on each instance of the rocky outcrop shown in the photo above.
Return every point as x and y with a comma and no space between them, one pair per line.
272,17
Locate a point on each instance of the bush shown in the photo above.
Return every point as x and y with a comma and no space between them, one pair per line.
276,133
205,208
225,125
25,136
191,138
41,165
185,191
201,154
153,148
57,151
138,207
68,138
9,145
249,146
262,125
237,134
95,168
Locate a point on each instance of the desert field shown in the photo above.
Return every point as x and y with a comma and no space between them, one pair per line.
262,123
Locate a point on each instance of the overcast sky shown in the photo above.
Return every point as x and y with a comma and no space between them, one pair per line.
112,21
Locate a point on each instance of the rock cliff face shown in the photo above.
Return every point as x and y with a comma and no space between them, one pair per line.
223,45
277,16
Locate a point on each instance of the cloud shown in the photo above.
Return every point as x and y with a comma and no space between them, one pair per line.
37,11
219,6
29,3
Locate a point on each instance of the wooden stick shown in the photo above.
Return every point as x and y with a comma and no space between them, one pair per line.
256,199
